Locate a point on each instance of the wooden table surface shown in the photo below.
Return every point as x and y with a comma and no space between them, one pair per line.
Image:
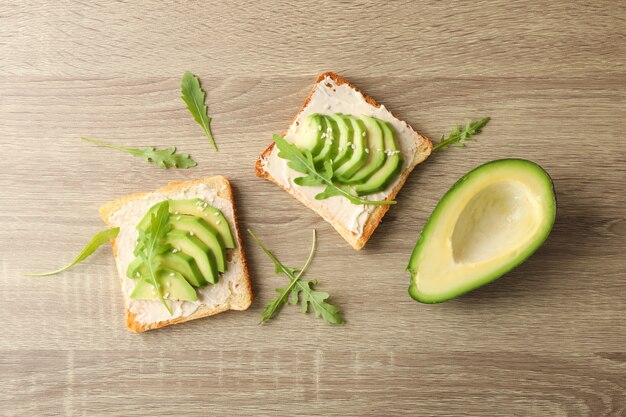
547,339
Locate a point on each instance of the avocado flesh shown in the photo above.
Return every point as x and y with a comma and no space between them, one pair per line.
173,287
194,247
489,222
178,262
330,136
359,155
205,233
309,136
393,164
344,139
375,157
214,218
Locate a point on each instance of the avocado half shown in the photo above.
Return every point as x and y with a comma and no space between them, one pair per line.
489,222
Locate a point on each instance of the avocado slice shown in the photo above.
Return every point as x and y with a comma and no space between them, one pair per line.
178,262
359,153
375,152
489,222
184,242
344,137
393,164
309,136
205,233
330,137
173,287
214,217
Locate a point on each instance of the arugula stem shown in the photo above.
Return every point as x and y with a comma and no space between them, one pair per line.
457,135
108,145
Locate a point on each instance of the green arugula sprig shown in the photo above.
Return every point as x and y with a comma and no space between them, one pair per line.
98,240
193,95
302,161
163,158
149,244
458,134
299,290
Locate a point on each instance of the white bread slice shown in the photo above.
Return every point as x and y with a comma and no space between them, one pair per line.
232,292
417,149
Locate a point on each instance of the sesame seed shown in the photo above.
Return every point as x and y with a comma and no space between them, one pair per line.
175,212
217,222
166,295
137,274
190,233
363,134
171,275
367,150
340,149
177,217
319,127
175,250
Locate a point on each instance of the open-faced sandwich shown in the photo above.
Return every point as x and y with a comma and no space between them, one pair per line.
344,156
184,238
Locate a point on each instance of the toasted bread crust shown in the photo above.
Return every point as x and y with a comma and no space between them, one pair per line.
421,153
222,185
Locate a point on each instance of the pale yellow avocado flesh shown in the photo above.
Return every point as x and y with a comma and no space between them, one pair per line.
488,223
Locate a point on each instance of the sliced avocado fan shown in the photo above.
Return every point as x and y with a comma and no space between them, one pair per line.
363,151
193,251
489,222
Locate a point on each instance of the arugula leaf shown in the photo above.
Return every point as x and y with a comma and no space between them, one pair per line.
98,240
163,158
149,244
302,161
193,95
299,290
316,300
458,135
274,306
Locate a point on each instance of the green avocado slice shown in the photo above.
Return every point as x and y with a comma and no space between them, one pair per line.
375,152
205,233
173,287
359,153
330,137
185,242
344,138
310,134
393,164
178,262
489,222
214,217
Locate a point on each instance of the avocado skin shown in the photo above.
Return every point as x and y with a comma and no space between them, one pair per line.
448,196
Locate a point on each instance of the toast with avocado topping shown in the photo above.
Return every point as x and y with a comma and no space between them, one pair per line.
350,157
178,253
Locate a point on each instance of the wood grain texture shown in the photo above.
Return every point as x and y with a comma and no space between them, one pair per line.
547,339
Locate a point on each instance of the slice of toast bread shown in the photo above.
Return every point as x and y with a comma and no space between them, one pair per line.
418,150
232,292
